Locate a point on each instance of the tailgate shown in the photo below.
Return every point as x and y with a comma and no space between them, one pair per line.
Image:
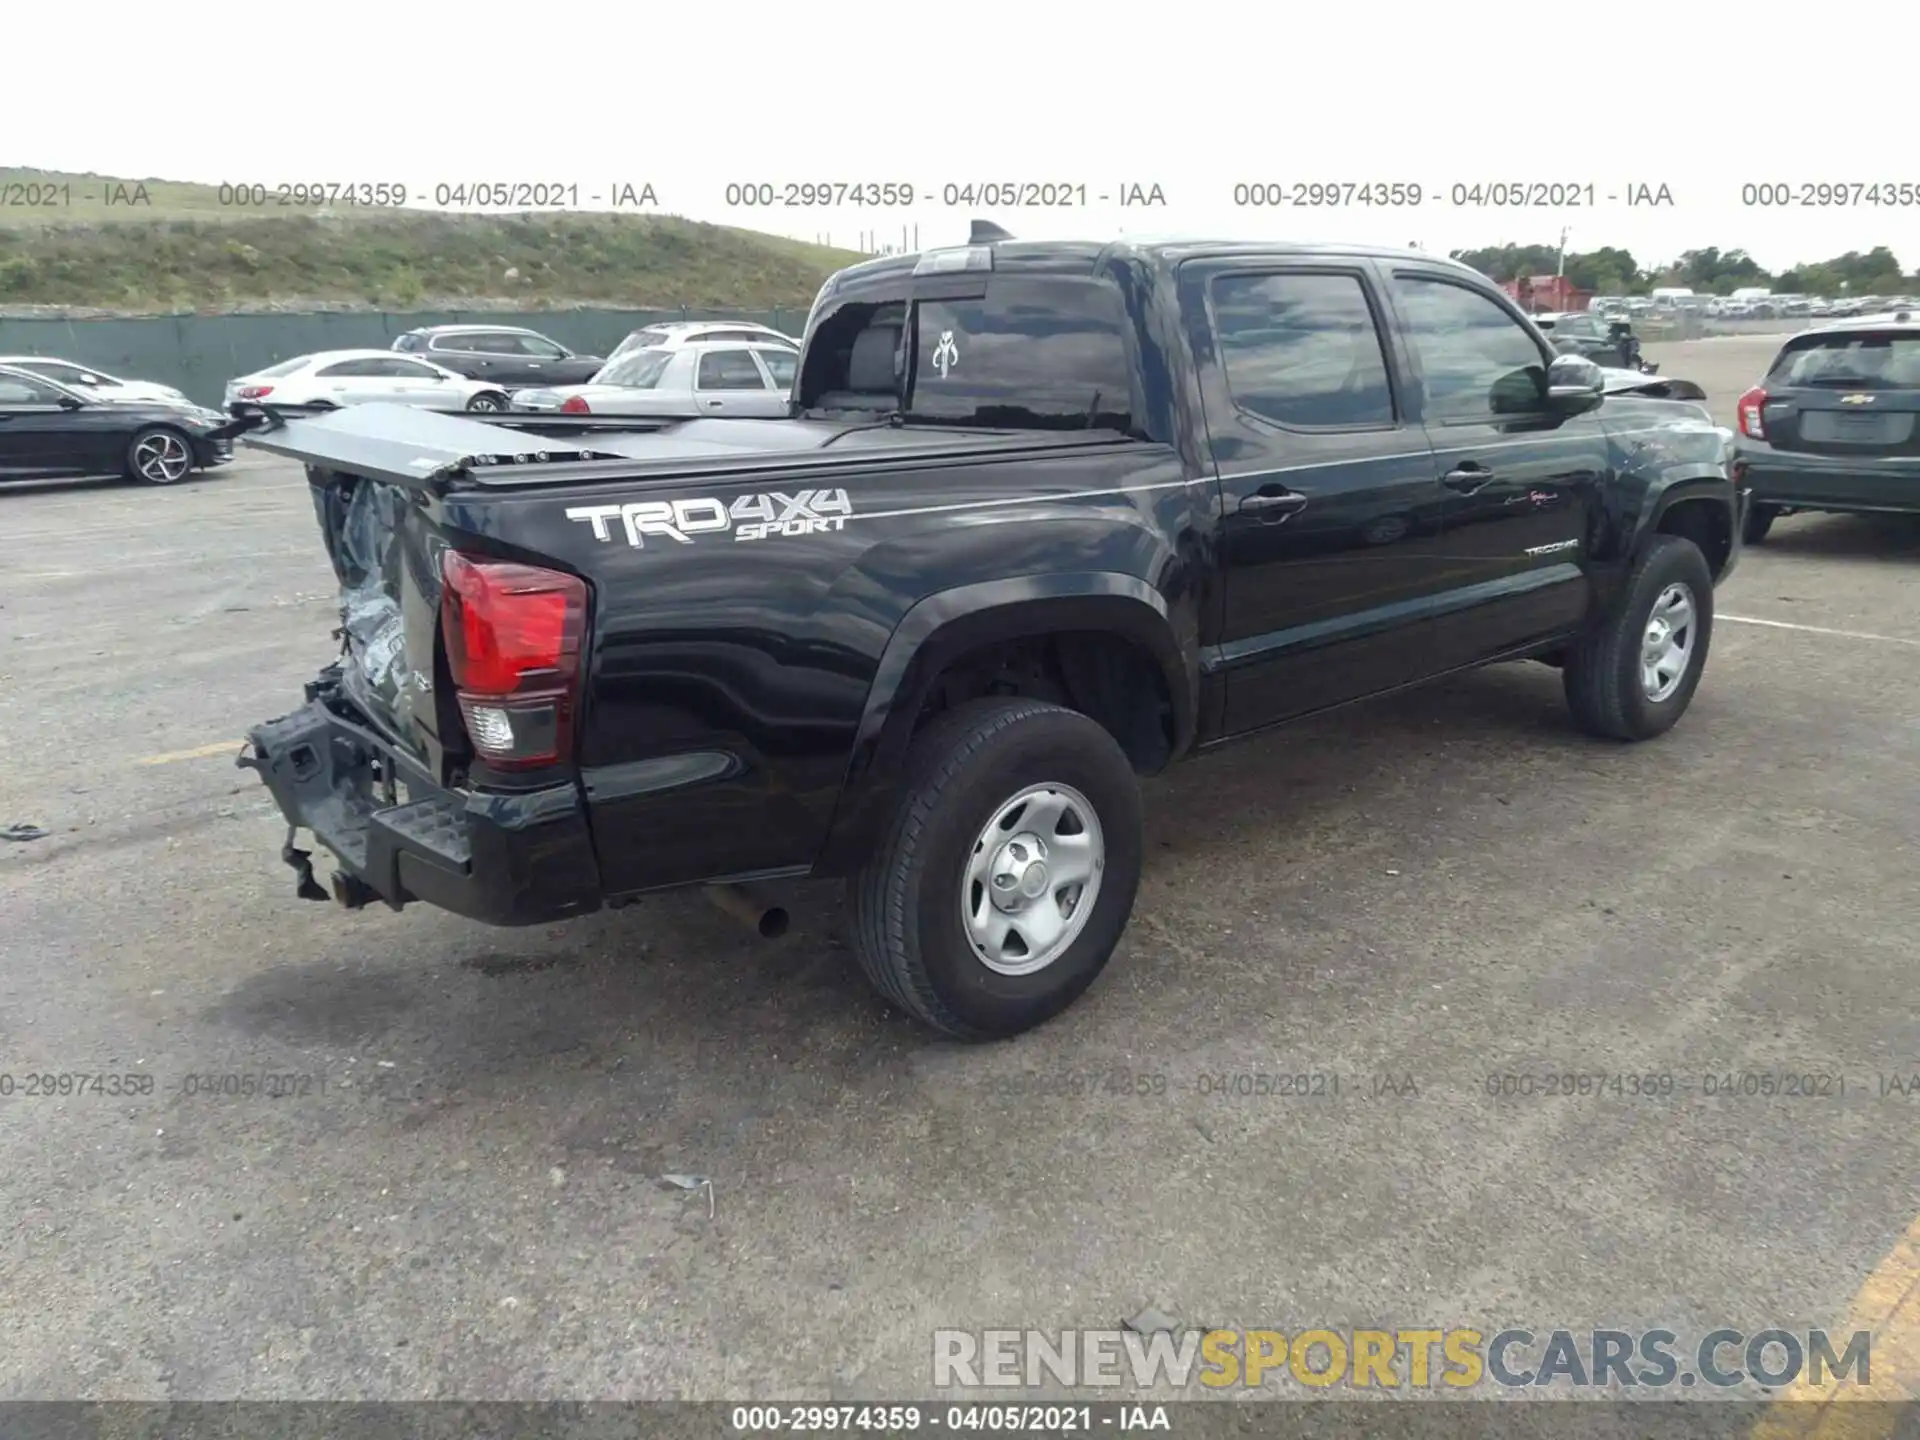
371,467
363,524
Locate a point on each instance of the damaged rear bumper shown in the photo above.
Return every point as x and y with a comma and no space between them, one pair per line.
506,858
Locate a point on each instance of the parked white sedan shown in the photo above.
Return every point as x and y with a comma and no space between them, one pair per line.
96,383
679,383
354,377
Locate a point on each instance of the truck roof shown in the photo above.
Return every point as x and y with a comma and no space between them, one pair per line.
1084,256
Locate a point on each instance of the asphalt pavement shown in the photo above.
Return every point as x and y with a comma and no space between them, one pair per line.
383,1155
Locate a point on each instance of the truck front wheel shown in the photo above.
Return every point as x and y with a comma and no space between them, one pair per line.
1008,871
1633,675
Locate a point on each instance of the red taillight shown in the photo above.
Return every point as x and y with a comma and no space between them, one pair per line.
574,405
1753,413
513,635
255,392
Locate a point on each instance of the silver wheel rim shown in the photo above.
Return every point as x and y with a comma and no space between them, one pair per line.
1032,879
1667,646
484,402
161,458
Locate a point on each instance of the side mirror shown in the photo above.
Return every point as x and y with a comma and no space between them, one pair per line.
1574,385
70,402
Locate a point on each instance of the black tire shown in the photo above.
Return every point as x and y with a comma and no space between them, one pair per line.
905,902
159,455
1760,520
1603,677
488,402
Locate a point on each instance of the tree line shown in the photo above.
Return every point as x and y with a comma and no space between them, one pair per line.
1712,271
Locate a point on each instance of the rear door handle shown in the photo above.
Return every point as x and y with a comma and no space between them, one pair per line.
1273,501
1467,479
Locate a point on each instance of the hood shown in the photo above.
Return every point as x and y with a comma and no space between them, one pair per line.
1654,387
146,396
149,390
185,411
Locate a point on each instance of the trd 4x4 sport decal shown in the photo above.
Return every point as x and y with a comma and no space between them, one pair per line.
750,517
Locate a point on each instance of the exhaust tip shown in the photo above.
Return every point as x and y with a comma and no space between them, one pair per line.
769,922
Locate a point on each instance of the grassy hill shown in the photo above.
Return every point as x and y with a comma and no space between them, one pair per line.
185,251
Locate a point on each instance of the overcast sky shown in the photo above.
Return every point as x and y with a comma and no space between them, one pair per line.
1701,98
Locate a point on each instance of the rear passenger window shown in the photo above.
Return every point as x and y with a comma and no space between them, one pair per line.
1476,359
729,370
1302,349
781,364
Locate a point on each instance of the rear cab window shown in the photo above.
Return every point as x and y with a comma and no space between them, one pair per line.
1032,353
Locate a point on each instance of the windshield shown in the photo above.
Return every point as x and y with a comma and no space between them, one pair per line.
1866,362
285,367
640,370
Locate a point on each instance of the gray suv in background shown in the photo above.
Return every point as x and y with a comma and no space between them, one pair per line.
505,354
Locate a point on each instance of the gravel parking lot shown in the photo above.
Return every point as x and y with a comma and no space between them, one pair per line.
462,1194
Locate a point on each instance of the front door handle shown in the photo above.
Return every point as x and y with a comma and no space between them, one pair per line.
1273,502
1467,479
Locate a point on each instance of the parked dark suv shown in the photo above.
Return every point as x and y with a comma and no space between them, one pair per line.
1835,425
504,353
1604,340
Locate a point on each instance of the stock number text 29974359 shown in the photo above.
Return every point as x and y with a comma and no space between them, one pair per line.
948,194
1463,194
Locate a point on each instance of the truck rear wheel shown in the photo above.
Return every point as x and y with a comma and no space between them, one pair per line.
1008,871
1760,520
1633,675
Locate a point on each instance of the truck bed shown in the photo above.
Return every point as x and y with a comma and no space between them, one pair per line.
405,445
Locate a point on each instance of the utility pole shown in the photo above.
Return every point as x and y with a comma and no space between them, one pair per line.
1564,232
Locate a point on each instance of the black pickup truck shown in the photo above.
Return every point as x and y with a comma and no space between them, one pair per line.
1045,518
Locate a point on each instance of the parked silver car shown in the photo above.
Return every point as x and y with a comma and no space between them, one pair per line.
681,383
673,333
356,377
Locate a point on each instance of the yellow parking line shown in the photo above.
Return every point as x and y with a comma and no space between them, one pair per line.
1888,1308
219,747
